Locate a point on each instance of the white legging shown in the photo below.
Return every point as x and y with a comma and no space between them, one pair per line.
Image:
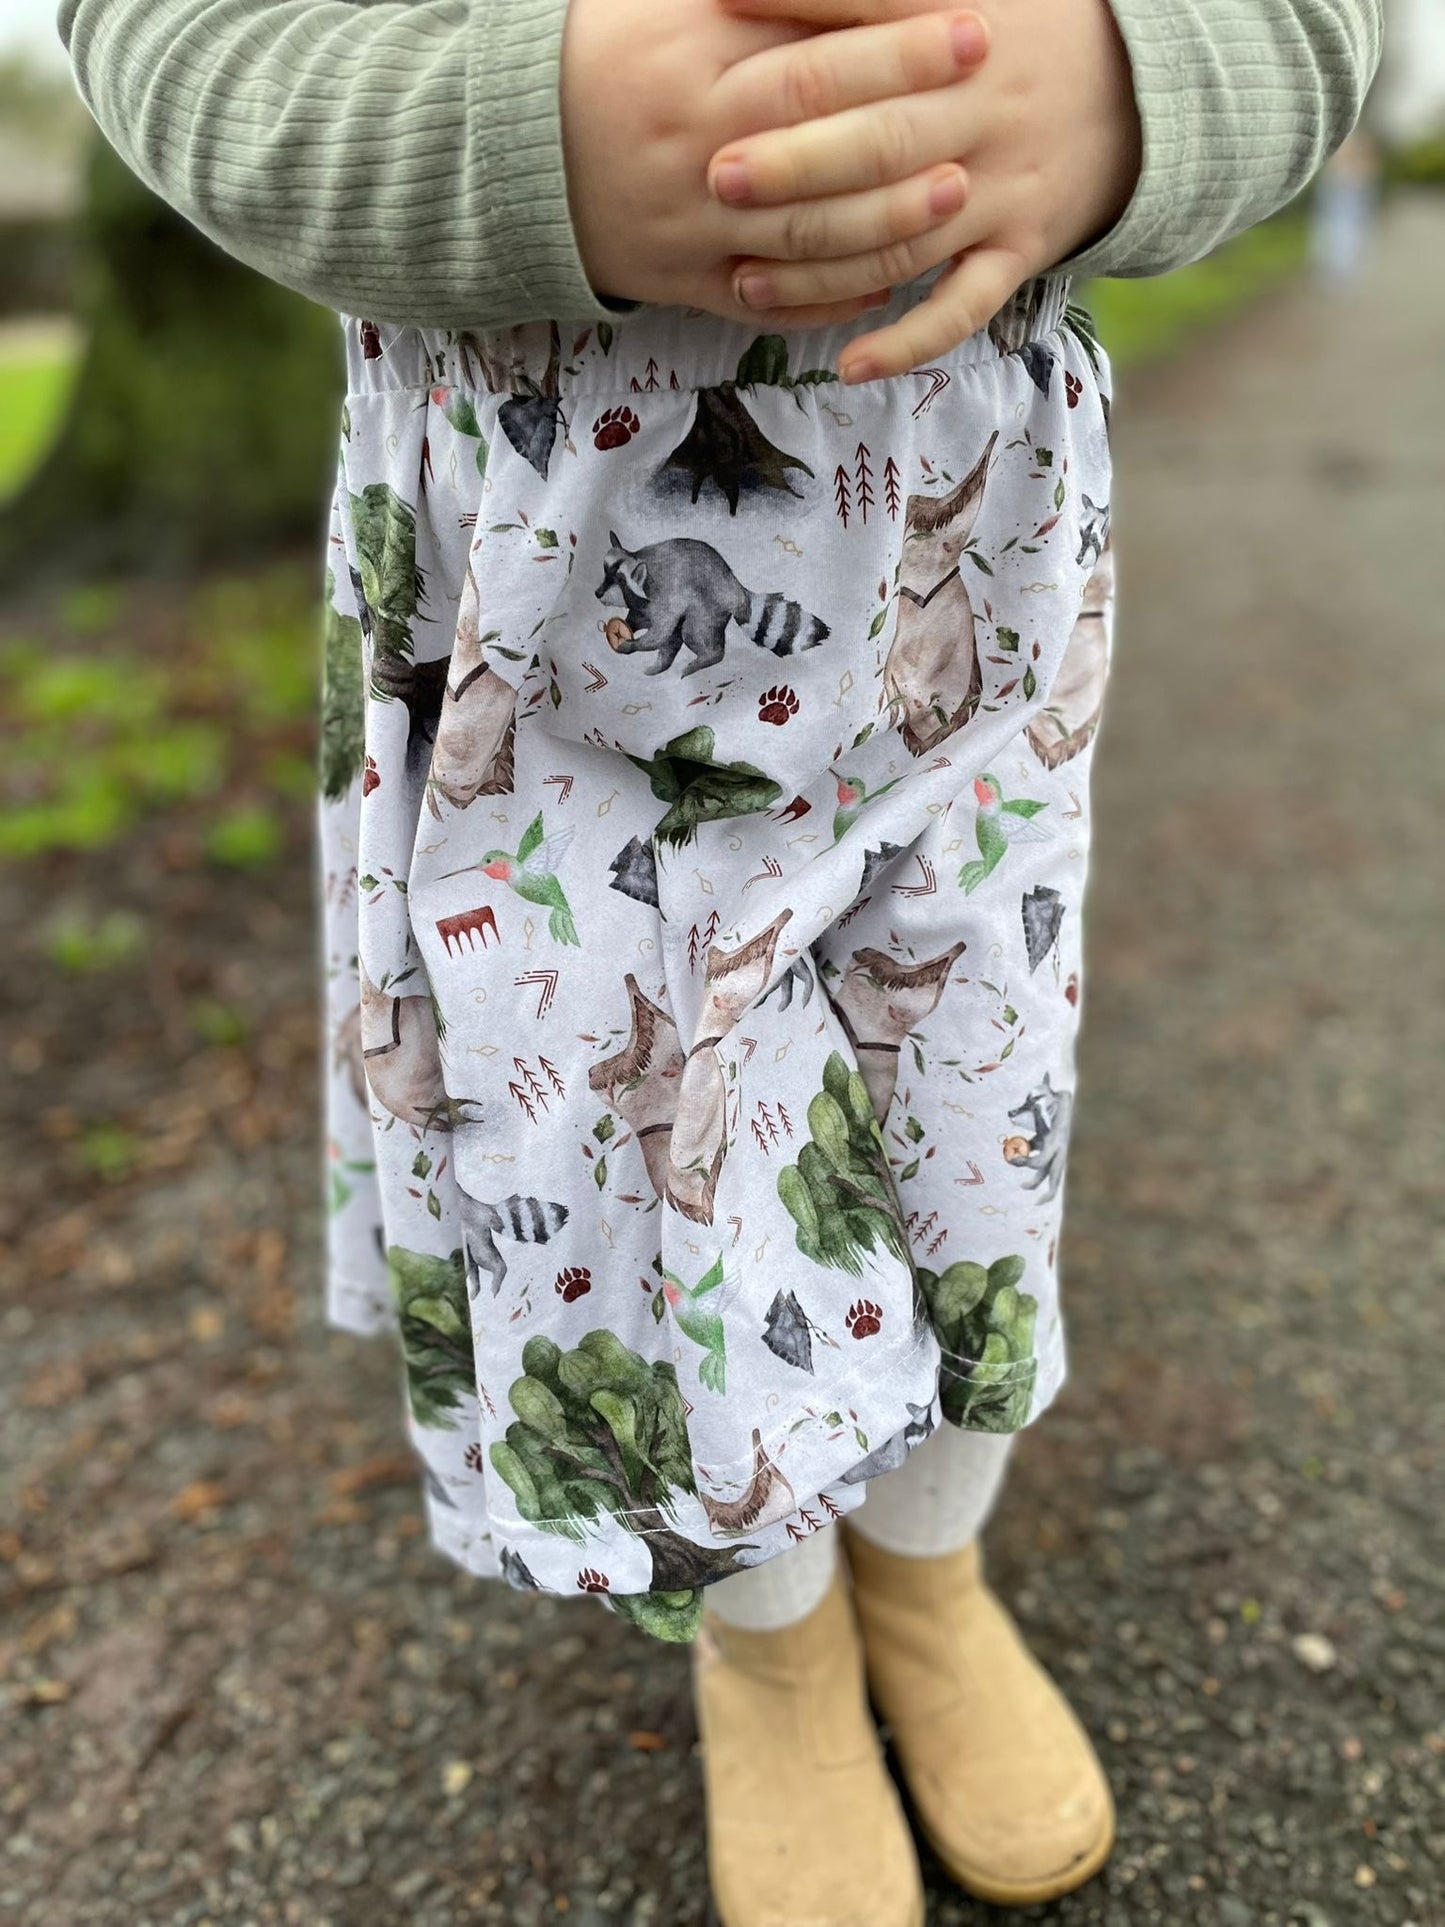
937,1502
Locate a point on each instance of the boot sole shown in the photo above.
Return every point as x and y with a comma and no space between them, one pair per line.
974,1881
1000,1893
715,1919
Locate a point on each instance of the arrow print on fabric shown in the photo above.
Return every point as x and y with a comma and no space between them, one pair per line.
546,981
564,783
929,885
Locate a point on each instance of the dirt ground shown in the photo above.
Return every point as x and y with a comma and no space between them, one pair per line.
239,1688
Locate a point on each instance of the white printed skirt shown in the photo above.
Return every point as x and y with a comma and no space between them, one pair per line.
706,757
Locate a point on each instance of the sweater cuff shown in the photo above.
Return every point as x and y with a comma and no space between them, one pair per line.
527,231
1183,100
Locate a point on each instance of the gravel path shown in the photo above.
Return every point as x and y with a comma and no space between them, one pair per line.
241,1690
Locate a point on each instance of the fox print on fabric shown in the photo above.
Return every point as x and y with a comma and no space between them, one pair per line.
683,592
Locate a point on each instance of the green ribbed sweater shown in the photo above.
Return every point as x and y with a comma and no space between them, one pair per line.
404,160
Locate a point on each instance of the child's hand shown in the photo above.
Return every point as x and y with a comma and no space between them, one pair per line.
650,93
1048,132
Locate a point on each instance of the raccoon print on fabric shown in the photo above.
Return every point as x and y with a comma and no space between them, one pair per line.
682,591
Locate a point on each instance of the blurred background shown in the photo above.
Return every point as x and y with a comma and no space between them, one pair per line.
236,1685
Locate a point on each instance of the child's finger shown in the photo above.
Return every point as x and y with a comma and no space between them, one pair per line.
824,74
883,262
959,304
830,314
861,147
840,228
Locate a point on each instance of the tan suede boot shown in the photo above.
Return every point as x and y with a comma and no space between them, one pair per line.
1004,1780
805,1828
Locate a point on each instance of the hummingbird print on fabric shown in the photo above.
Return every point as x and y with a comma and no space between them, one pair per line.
700,1322
532,873
854,796
1000,822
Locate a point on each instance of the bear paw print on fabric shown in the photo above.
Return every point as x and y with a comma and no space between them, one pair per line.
1073,388
778,705
615,428
475,1459
574,1282
865,1318
591,1580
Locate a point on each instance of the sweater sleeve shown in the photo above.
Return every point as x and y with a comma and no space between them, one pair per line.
1241,102
405,161
400,161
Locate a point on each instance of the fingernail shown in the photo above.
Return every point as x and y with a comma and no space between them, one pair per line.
969,39
730,182
879,300
756,290
850,373
947,192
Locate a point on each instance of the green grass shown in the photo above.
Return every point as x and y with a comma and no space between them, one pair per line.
1141,321
35,385
197,706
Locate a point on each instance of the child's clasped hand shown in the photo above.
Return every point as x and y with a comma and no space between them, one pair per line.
791,161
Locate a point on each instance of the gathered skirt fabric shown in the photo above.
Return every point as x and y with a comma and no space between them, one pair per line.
705,754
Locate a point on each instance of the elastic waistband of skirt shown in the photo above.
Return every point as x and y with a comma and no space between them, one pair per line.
660,347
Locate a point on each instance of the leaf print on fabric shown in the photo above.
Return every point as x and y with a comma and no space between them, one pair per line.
839,1193
392,587
460,410
343,699
985,1325
698,790
436,1333
600,1430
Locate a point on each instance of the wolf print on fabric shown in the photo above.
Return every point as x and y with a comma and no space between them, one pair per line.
702,1042
683,592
